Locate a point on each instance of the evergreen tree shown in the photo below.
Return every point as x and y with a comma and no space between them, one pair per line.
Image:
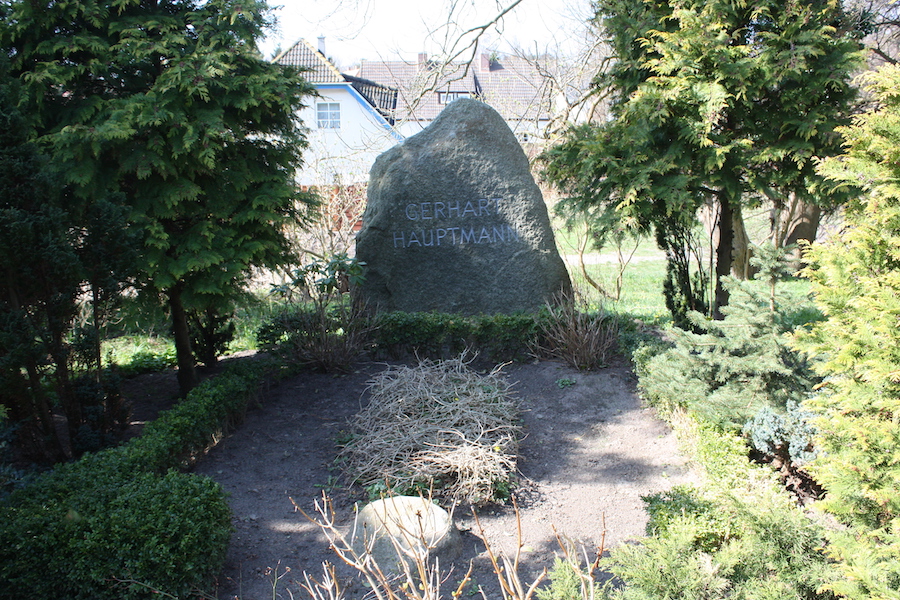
52,250
168,103
716,103
40,275
727,371
856,279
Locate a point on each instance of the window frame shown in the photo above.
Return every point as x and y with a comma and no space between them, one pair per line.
446,97
328,115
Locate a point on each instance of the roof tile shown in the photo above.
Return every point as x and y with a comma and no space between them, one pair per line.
303,55
512,85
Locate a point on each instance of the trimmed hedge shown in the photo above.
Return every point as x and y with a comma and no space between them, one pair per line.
124,523
442,335
426,334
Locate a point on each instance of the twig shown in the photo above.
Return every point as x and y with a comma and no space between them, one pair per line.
508,574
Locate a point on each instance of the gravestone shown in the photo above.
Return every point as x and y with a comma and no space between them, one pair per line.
455,222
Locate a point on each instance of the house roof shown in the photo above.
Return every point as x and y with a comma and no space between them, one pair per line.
318,69
382,97
418,91
511,85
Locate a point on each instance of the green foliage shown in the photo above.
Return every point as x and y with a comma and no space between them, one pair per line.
325,328
432,334
42,272
856,280
441,335
740,535
740,373
138,354
725,548
149,361
10,477
195,424
734,367
169,108
140,314
685,506
567,582
685,286
397,334
337,275
165,532
104,411
713,102
122,523
788,436
212,330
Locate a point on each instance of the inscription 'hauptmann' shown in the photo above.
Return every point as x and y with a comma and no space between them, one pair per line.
467,233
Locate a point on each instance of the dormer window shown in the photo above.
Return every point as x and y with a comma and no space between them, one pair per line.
328,115
448,97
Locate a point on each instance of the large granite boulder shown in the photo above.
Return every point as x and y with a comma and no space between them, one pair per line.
455,222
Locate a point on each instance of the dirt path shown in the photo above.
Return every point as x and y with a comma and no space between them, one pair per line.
590,453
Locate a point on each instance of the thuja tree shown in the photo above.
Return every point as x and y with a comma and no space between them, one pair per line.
717,103
52,250
856,279
40,274
168,103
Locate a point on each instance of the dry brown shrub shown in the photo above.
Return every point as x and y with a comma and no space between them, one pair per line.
584,340
439,426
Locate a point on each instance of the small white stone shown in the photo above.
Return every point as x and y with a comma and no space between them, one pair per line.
401,527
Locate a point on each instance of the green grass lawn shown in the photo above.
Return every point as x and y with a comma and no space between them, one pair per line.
641,288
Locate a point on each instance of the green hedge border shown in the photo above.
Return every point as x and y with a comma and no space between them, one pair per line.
442,335
126,523
397,335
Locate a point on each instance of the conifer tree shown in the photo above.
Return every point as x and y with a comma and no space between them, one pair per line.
726,371
169,103
856,279
52,249
718,102
39,278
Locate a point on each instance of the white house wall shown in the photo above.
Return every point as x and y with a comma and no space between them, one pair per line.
343,156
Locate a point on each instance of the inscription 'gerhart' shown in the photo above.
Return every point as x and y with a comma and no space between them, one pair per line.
445,235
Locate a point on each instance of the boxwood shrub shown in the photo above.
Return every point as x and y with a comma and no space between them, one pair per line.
125,522
441,335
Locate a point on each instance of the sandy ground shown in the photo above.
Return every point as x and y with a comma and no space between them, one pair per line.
591,451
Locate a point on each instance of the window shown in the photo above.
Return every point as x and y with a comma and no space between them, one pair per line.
328,115
448,97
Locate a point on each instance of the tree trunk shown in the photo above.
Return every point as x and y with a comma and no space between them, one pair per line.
724,251
95,311
64,389
799,222
187,372
741,267
804,223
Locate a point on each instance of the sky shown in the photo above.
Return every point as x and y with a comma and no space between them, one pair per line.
392,29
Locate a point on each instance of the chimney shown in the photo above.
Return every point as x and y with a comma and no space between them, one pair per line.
423,59
485,63
322,45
